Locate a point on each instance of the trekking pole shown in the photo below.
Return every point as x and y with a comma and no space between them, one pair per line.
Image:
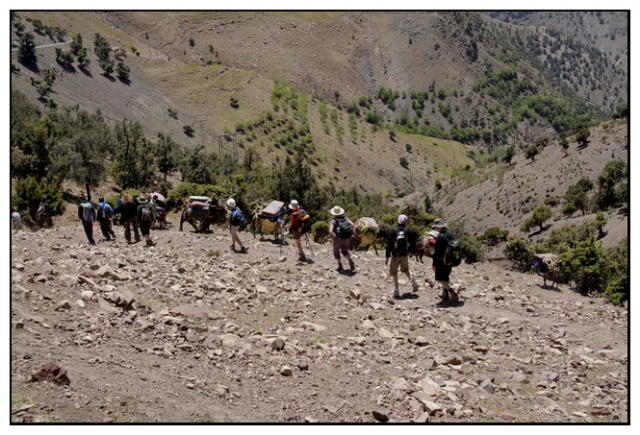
309,244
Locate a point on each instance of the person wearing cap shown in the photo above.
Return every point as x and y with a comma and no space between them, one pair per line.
145,224
103,216
231,206
340,243
293,223
129,211
442,272
401,252
86,216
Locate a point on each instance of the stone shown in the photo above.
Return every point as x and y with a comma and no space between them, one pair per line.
261,289
51,372
88,281
121,298
384,333
316,327
106,306
107,272
507,416
424,418
86,295
64,305
286,371
355,293
380,416
80,303
488,386
368,324
431,407
430,387
277,344
421,341
454,360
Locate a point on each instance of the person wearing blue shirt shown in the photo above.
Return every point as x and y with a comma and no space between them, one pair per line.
85,214
103,216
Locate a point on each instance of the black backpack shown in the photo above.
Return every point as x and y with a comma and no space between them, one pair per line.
147,213
401,244
452,254
344,229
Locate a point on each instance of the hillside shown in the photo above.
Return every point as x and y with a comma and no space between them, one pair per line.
189,332
433,60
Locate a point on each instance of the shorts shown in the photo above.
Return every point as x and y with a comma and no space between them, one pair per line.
234,229
402,262
442,273
296,235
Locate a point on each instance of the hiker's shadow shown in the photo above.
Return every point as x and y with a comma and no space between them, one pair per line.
307,261
405,296
273,241
348,272
448,304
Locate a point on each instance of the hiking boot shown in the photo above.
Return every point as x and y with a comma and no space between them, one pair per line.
445,295
150,243
453,297
396,294
340,268
233,247
352,265
415,286
302,258
243,250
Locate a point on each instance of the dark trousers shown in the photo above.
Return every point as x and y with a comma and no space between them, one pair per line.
88,229
107,231
133,221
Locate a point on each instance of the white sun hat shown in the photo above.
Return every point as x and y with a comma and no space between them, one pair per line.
293,205
231,203
337,211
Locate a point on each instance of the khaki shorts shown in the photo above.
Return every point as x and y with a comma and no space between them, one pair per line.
296,235
234,229
402,262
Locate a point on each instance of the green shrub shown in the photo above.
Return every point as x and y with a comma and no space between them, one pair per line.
552,201
494,236
29,193
519,252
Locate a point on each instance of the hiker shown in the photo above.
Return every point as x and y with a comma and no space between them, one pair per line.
146,215
44,213
86,215
128,211
401,245
341,229
294,227
103,216
17,219
442,271
235,219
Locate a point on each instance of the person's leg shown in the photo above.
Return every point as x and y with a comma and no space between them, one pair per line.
103,229
127,230
393,271
298,240
336,253
110,229
344,249
88,229
136,229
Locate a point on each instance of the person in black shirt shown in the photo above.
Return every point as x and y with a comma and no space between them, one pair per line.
441,271
402,245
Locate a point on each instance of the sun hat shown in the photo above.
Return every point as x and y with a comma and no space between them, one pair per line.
403,219
337,211
293,205
438,223
142,199
231,203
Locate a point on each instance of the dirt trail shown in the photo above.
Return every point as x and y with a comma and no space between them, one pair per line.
188,331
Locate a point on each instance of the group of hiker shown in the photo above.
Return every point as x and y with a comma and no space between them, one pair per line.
138,215
402,241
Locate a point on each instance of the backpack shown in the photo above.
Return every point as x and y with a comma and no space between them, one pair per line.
102,213
147,213
344,230
87,212
304,222
452,254
237,218
401,244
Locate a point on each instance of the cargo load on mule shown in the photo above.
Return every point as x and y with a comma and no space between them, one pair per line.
269,220
367,232
200,211
548,266
426,245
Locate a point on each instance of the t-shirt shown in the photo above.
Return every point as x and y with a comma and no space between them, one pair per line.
441,246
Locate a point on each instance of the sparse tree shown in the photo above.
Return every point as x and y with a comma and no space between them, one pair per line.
404,162
601,221
531,152
76,44
582,135
19,27
166,152
101,47
564,143
123,71
107,66
188,130
191,42
510,154
27,49
408,147
540,215
83,60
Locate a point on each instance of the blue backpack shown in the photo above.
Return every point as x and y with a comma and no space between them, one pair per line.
237,218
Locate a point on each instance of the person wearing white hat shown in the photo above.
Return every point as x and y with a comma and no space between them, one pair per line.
341,229
293,226
401,245
146,215
235,219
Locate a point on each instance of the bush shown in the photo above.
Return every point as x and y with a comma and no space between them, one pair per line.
471,248
188,130
587,265
404,162
494,236
552,201
29,193
519,253
540,215
320,231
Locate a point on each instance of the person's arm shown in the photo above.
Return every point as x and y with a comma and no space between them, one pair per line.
139,214
390,240
412,242
331,227
438,252
80,212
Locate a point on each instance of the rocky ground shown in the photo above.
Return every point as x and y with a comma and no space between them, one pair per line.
188,331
